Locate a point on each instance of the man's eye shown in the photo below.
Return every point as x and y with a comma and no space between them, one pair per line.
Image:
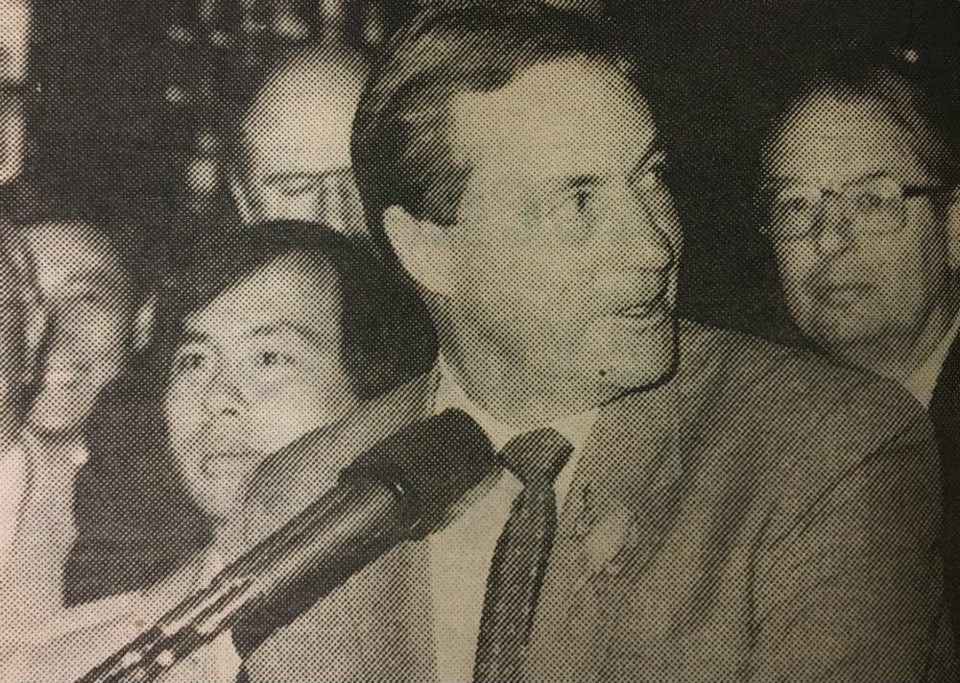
294,187
582,200
793,205
273,359
870,201
655,173
189,362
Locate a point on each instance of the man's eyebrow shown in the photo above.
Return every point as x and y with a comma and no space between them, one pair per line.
592,179
780,180
192,337
576,182
867,176
280,326
656,150
286,176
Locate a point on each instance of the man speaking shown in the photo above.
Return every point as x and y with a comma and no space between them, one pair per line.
675,503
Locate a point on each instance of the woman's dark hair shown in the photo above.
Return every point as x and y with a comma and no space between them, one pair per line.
387,336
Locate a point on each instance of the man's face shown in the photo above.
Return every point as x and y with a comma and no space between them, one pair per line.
563,257
87,303
845,288
257,367
296,141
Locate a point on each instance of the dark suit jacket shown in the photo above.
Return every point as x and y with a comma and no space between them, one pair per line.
763,516
136,521
945,415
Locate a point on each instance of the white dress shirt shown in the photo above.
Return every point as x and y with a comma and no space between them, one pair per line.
81,637
37,527
462,552
924,380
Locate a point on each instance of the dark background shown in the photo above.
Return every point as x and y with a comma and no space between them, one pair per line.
107,131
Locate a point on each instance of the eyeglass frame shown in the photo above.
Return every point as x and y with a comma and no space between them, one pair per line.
907,191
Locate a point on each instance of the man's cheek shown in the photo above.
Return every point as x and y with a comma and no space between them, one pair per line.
275,425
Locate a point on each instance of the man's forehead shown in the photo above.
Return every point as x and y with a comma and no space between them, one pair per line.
303,121
576,111
836,137
70,251
292,288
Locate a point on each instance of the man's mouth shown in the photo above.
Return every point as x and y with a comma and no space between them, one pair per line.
228,462
839,293
654,308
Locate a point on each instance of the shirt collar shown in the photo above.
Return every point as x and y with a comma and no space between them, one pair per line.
75,449
922,382
450,394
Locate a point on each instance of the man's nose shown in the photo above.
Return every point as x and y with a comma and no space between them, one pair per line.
224,396
832,229
635,238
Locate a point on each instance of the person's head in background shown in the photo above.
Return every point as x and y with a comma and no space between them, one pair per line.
859,204
506,155
273,332
86,326
291,141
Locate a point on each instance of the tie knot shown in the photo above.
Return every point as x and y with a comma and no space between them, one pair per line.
537,456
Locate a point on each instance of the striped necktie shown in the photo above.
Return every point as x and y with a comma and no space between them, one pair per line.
521,556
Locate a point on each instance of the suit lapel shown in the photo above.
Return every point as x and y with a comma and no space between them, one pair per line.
616,516
375,626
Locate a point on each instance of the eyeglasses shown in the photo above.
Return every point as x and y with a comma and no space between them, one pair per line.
874,206
328,197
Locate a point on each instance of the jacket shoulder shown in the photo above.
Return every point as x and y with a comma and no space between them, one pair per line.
801,424
800,391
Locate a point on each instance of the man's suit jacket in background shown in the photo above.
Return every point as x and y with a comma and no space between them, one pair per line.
765,515
945,415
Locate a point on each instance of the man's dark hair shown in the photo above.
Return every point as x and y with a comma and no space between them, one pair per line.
400,152
899,92
387,337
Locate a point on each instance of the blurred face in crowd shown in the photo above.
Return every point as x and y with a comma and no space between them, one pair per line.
871,270
88,306
561,266
256,368
296,144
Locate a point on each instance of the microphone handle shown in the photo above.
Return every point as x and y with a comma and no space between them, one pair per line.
349,527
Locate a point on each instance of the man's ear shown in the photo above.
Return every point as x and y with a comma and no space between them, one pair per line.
241,198
422,246
953,228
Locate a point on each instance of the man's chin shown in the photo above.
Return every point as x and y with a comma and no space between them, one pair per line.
56,426
633,358
217,509
61,412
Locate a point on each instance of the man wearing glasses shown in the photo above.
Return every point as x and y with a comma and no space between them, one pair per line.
860,208
859,215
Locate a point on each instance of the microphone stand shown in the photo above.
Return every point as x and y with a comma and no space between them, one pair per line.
255,585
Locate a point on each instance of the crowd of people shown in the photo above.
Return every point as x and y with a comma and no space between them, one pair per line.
484,220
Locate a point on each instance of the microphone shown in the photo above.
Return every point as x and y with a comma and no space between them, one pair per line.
402,488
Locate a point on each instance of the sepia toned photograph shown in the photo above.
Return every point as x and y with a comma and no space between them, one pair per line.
479,341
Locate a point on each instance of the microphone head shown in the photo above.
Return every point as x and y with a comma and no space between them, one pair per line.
431,464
